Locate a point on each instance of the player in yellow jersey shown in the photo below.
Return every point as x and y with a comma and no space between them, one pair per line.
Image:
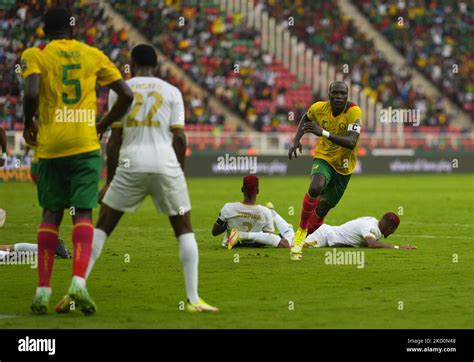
60,79
337,123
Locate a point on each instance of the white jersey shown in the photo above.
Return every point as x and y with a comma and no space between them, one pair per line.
147,139
247,217
352,233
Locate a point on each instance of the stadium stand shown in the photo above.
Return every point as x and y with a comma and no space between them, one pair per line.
21,28
436,39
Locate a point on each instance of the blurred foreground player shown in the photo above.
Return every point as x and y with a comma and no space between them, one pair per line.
60,79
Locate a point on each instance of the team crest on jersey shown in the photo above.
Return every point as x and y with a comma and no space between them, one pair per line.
342,126
324,124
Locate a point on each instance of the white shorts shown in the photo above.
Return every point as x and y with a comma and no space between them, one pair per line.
321,237
128,189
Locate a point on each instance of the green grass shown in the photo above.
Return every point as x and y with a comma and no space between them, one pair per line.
257,291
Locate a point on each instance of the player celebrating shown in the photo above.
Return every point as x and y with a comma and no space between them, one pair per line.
361,232
60,79
146,153
337,122
247,221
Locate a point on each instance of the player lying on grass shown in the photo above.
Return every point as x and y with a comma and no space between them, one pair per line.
246,221
361,232
61,250
146,153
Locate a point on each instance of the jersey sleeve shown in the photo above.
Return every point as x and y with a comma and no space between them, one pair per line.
354,119
177,111
312,111
269,224
224,213
369,229
112,99
108,72
30,62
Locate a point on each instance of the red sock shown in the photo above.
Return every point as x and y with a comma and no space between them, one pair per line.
82,234
47,242
314,222
309,205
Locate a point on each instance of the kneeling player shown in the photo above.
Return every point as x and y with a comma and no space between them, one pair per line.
248,222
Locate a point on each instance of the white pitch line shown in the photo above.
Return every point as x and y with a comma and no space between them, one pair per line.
434,236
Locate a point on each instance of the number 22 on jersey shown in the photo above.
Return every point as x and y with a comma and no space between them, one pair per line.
142,108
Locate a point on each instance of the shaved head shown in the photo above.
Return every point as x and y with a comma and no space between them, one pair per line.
338,84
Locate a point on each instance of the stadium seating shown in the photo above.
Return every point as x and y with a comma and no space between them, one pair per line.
427,40
336,39
24,21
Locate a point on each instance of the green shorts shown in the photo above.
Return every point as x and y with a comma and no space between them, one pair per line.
335,184
34,171
71,181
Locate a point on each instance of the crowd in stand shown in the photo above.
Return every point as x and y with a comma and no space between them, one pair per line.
21,27
336,39
434,36
225,57
219,52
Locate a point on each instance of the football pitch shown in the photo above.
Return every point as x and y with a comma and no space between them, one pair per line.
138,283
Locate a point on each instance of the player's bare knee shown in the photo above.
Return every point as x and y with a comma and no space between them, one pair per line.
315,189
323,208
52,217
181,224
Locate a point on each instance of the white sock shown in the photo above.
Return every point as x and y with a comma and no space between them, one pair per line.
189,256
285,229
45,289
3,254
261,237
79,280
97,244
25,247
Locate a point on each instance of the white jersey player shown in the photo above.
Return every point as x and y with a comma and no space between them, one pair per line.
152,146
246,221
361,232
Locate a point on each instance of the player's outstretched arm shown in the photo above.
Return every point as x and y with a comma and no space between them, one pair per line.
373,243
120,107
296,145
30,106
179,145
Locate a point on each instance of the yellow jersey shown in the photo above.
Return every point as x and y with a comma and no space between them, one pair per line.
342,160
68,71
